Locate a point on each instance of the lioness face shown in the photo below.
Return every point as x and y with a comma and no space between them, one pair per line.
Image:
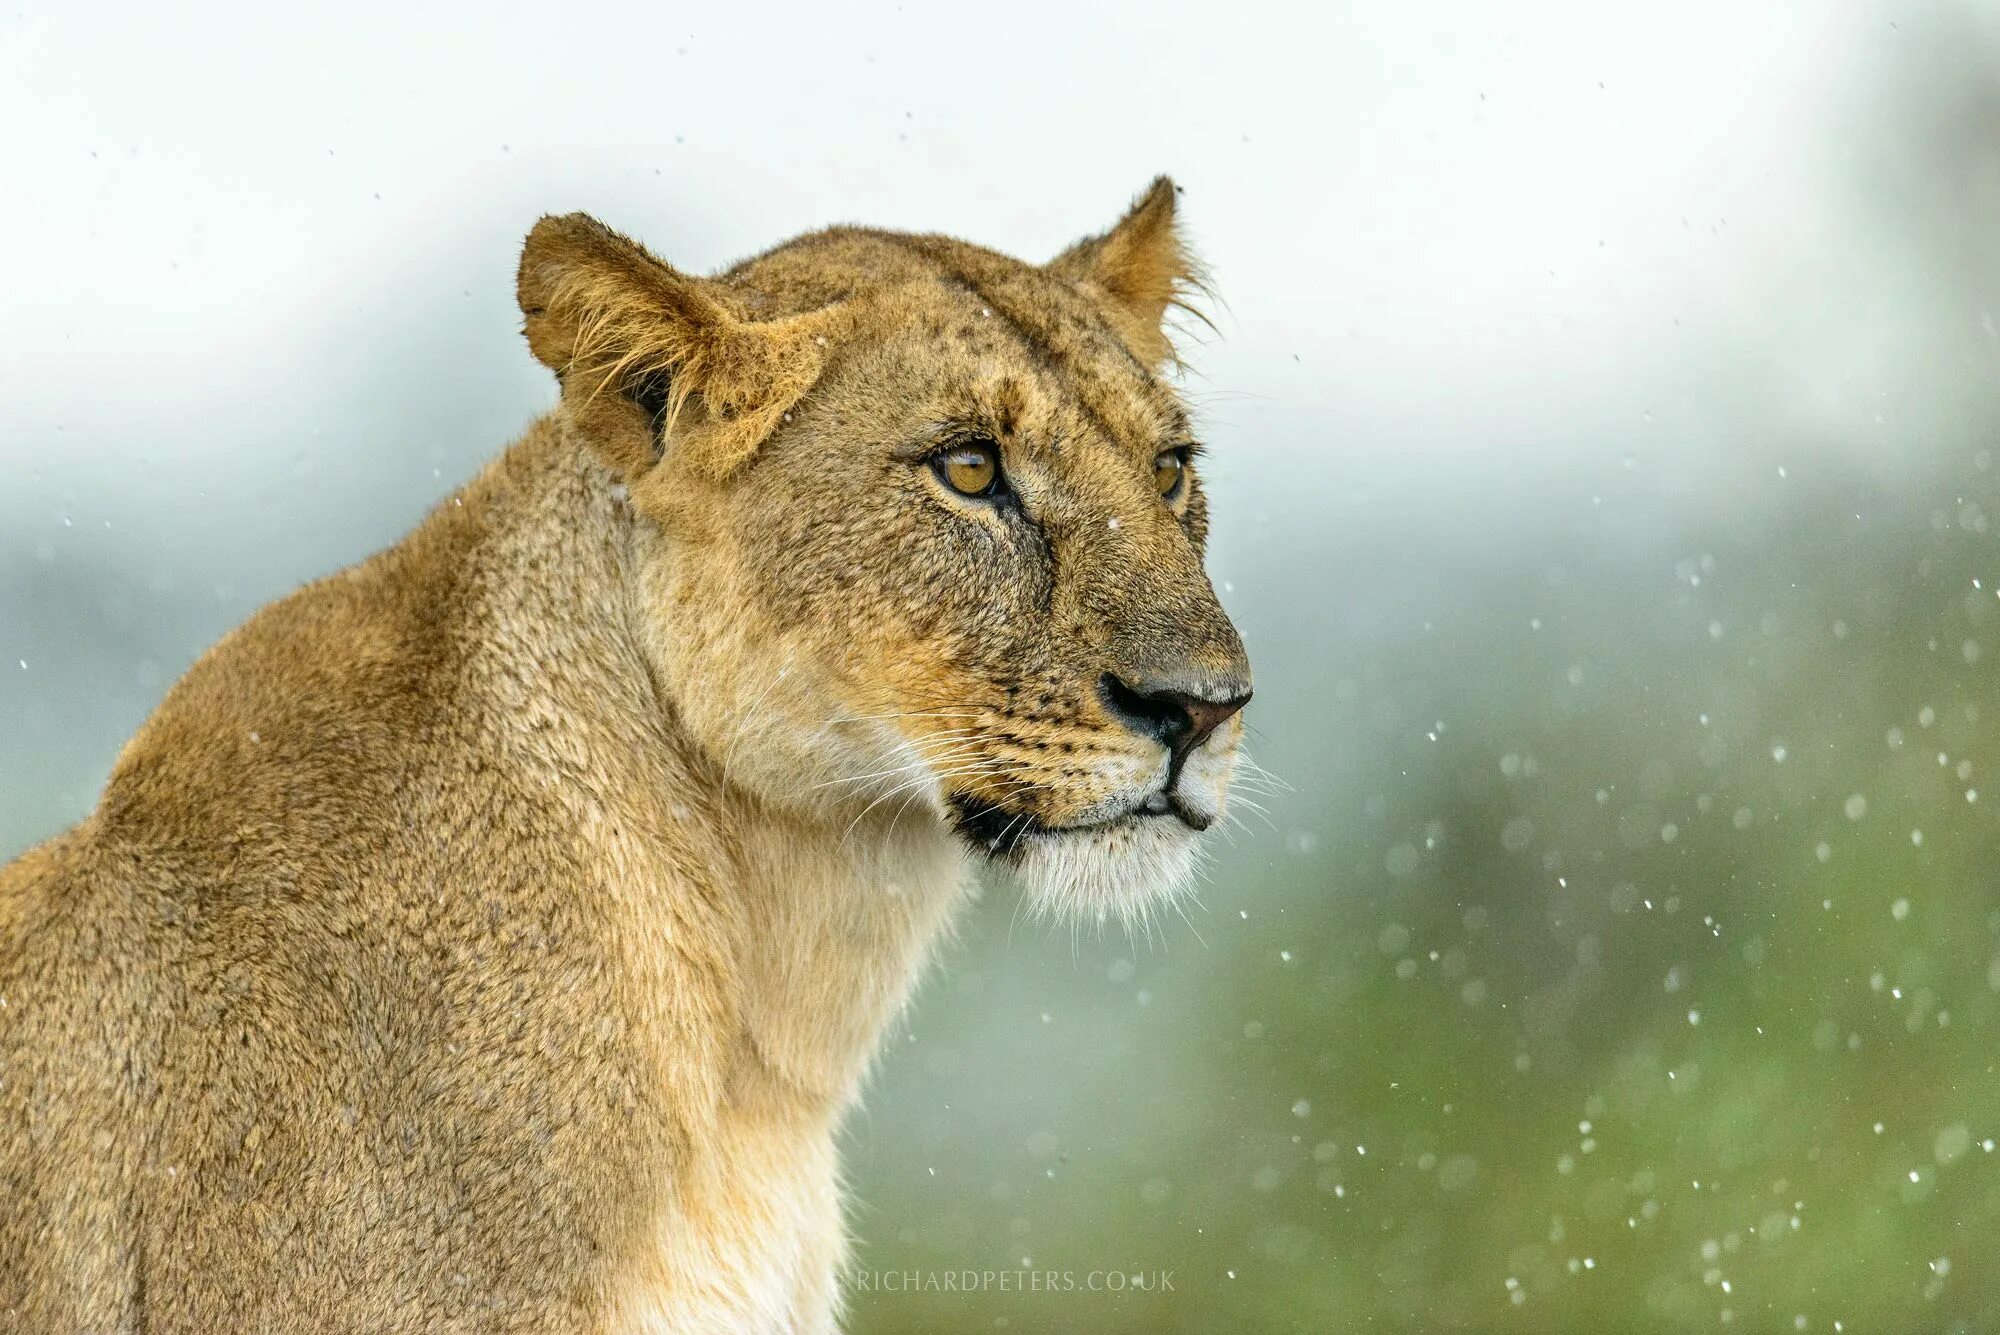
960,577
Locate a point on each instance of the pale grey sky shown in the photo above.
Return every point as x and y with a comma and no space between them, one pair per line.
1401,202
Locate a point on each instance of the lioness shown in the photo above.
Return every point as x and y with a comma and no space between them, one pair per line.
491,936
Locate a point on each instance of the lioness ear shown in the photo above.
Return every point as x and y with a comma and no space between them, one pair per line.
1138,269
647,354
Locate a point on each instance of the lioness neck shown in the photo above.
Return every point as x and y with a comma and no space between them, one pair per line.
812,928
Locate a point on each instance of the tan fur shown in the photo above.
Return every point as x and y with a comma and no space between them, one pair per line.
490,937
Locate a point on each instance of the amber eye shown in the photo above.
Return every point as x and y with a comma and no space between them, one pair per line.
1169,467
971,469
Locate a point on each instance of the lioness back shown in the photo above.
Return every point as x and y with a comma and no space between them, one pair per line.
253,1029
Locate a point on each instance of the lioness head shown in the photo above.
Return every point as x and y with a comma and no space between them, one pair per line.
921,531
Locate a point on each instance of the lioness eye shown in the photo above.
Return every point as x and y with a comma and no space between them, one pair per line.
970,470
1168,468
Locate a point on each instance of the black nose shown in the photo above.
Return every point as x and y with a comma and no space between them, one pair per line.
1180,715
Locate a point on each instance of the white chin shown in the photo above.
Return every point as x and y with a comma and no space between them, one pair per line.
1124,868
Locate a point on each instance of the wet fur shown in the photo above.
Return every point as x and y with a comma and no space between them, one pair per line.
491,936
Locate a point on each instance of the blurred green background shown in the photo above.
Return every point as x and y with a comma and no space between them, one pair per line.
1602,447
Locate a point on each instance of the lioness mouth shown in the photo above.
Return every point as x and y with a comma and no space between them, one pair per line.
1000,831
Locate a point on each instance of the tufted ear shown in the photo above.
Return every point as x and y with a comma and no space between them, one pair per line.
1138,270
647,354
